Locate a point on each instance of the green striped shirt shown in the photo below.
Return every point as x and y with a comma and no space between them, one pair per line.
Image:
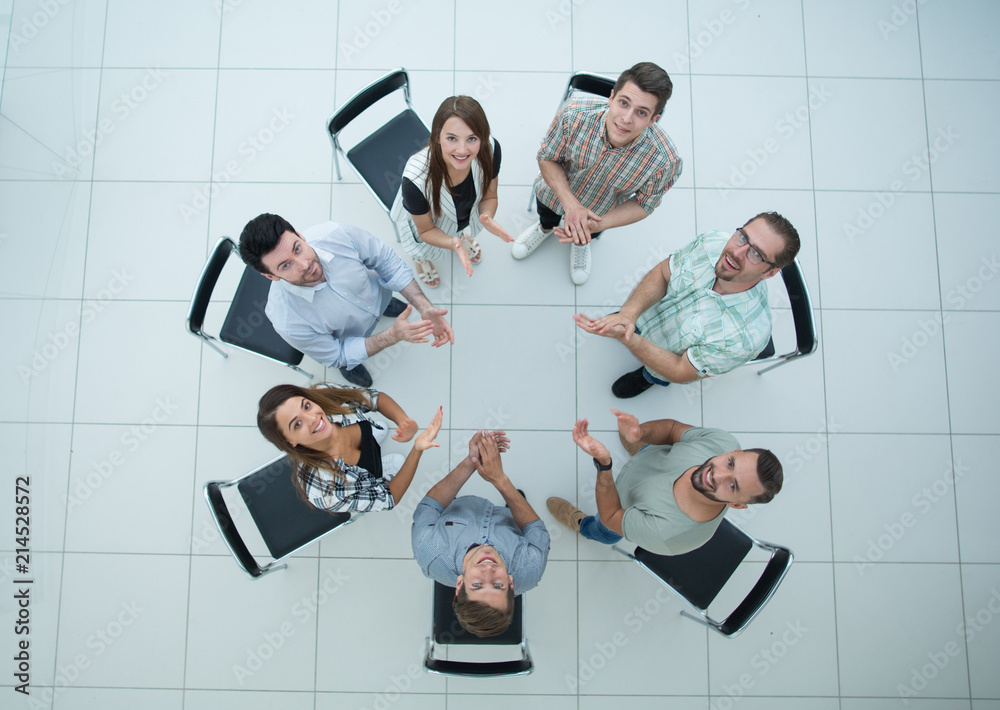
718,332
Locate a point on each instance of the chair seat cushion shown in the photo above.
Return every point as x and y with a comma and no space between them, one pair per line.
286,522
701,574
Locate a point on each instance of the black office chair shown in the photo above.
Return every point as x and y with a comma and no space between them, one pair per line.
806,341
585,83
285,521
698,576
445,630
246,326
379,158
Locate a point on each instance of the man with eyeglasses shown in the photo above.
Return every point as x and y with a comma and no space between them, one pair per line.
703,311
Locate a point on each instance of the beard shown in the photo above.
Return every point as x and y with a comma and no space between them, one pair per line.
698,482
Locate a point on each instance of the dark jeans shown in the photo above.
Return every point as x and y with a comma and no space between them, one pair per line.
592,528
549,219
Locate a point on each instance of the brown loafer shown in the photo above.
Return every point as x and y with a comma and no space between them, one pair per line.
565,512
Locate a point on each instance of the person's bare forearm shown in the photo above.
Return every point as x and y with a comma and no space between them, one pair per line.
555,177
628,212
412,293
609,505
669,365
380,341
402,480
519,507
445,490
651,289
661,431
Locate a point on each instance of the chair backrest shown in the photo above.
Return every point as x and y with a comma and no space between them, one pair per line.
701,574
802,315
381,157
224,521
286,522
762,591
367,97
206,284
589,83
248,327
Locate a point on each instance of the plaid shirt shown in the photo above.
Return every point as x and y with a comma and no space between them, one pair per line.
359,490
718,332
600,175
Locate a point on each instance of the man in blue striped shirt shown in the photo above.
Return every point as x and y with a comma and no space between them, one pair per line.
489,553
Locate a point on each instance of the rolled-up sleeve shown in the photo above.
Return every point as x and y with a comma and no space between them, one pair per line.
555,143
651,194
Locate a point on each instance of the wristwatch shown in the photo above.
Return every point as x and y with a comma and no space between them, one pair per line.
599,467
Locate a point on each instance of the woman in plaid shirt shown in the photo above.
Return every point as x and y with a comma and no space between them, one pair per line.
334,444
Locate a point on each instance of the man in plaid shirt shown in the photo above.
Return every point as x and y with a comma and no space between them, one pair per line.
603,164
703,311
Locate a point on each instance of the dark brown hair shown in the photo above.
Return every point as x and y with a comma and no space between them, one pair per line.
332,400
482,619
784,229
471,113
770,474
650,78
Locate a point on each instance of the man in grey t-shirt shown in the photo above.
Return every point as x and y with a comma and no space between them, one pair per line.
672,494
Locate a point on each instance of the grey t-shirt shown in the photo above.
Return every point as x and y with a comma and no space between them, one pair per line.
653,519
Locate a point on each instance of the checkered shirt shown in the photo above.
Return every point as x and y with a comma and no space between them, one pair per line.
718,332
359,491
600,175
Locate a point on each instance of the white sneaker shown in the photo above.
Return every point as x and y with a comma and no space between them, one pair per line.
528,241
391,463
579,263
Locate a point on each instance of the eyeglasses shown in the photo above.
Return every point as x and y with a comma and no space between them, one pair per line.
752,254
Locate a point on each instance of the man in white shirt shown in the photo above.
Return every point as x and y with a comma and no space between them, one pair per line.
331,285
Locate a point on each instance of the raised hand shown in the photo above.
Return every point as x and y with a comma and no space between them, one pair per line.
614,326
416,332
491,226
489,465
426,439
628,426
463,255
405,430
440,329
589,444
503,443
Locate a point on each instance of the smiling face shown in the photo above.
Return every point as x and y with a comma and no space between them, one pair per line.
734,268
303,423
485,577
459,145
630,112
729,478
294,261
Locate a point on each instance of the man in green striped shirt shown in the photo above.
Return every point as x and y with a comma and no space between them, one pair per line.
703,311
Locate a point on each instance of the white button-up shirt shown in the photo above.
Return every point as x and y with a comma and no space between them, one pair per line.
330,321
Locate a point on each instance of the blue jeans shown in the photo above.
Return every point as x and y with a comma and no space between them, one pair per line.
592,528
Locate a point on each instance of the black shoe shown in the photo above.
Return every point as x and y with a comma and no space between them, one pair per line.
357,376
630,385
394,308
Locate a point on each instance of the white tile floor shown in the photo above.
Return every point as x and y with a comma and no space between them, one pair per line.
125,153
